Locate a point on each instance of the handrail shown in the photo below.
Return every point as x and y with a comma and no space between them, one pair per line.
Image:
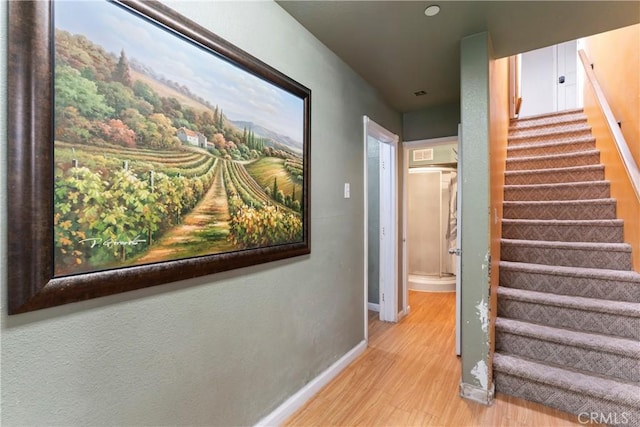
621,144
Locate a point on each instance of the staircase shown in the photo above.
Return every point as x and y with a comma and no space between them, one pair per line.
568,326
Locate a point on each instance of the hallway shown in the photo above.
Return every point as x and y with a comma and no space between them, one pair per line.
409,375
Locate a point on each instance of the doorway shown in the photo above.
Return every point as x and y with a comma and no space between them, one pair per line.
381,218
431,227
431,260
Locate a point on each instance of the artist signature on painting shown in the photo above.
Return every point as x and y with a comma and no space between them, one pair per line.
110,242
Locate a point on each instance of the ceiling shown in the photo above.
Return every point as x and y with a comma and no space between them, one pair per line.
399,50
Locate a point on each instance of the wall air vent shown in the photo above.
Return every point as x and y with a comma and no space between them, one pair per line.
423,155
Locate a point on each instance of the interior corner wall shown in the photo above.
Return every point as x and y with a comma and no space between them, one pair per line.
432,122
224,349
474,183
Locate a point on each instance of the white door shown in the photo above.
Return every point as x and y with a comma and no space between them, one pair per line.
567,54
538,82
549,79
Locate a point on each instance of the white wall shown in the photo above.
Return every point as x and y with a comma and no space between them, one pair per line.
223,349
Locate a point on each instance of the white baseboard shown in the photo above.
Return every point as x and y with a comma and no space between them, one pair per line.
373,306
295,402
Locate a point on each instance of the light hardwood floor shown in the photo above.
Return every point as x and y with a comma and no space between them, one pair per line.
409,376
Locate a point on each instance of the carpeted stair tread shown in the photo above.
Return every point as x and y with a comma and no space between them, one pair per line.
550,115
581,158
612,256
616,285
586,352
589,273
603,231
578,382
568,137
617,247
525,125
559,129
588,340
561,175
627,309
553,134
586,222
615,318
541,148
589,353
579,143
561,209
547,120
583,190
550,132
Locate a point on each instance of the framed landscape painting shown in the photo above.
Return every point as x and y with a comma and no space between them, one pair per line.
144,149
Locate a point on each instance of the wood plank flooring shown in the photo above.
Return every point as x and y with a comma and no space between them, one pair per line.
409,376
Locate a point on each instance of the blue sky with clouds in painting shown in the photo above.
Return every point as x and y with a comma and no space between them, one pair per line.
241,95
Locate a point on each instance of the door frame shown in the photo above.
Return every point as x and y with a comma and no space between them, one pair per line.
389,290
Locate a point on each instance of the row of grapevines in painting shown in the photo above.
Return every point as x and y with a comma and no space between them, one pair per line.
107,211
255,220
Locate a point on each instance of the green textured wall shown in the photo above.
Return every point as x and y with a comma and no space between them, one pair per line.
474,182
432,122
442,154
224,349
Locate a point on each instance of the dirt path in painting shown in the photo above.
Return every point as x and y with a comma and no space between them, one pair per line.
203,231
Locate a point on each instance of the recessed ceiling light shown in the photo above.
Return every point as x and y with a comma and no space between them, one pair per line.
420,93
432,10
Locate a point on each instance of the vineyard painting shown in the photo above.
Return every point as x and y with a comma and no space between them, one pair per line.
144,149
163,150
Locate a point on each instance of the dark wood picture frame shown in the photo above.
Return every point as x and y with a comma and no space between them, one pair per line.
31,281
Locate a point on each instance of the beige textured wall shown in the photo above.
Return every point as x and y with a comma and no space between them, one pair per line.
616,58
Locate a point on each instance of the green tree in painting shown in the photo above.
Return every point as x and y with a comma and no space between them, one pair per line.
122,73
72,127
80,53
144,91
117,96
135,121
73,90
164,134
